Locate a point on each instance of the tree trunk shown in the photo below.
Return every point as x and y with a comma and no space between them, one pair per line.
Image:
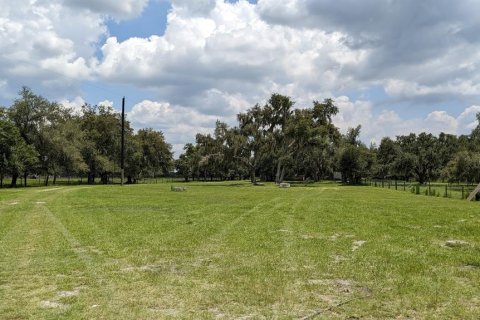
277,175
91,178
46,179
54,178
25,176
129,180
252,175
104,178
282,175
14,181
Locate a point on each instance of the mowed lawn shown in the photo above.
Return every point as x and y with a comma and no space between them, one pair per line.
234,251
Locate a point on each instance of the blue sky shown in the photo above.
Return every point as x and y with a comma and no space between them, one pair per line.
392,66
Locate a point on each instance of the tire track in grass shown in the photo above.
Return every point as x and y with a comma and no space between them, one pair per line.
107,300
211,246
20,216
75,245
212,254
291,265
94,269
218,236
25,272
18,247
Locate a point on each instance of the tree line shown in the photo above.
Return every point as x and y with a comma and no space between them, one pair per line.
276,141
271,142
40,137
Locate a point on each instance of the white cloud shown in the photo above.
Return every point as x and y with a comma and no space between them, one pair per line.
467,119
227,49
47,44
197,7
413,49
389,123
179,124
106,103
75,105
123,9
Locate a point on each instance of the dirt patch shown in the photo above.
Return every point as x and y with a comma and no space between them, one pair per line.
145,268
166,312
94,250
13,203
338,259
334,237
311,236
329,299
67,294
337,285
53,305
357,244
456,244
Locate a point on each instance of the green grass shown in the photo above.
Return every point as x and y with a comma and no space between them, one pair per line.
230,250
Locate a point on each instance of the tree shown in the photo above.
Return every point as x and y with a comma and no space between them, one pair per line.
153,155
15,154
356,161
253,128
278,112
324,112
34,115
424,150
187,164
387,153
101,147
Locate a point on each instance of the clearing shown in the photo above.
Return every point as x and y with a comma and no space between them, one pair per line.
234,251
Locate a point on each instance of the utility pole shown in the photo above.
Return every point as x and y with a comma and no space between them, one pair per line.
122,155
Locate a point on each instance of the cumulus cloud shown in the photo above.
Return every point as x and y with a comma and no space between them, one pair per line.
193,8
75,104
424,46
227,50
47,44
179,124
388,123
123,9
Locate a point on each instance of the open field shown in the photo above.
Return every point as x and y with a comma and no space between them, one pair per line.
226,251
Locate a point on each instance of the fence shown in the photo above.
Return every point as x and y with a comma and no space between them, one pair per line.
79,180
434,189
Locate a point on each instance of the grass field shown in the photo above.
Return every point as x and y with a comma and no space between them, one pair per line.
233,251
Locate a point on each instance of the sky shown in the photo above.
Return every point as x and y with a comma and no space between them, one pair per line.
392,66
